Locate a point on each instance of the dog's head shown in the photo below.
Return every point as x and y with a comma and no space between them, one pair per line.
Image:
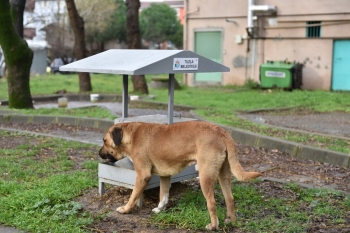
112,150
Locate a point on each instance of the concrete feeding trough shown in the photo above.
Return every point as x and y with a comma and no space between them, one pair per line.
122,174
140,62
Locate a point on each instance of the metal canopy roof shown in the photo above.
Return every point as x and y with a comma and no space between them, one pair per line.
138,62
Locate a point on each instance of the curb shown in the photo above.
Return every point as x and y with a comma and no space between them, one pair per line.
292,148
303,185
239,135
51,136
71,97
44,119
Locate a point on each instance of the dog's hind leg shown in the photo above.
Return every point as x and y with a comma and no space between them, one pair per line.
140,185
225,183
207,182
164,193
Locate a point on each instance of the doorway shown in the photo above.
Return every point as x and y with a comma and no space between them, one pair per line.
209,44
341,65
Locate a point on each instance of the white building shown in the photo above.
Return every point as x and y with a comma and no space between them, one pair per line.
43,13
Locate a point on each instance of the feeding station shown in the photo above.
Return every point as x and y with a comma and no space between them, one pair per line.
127,62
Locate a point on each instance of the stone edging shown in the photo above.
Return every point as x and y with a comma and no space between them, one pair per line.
71,97
292,148
43,119
241,136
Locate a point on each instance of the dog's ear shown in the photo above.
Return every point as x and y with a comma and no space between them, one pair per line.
117,135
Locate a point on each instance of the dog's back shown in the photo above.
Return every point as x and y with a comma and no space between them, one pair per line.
173,147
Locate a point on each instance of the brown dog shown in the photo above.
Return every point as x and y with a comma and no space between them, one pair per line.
166,150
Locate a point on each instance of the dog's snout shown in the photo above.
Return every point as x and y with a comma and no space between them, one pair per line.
102,153
105,155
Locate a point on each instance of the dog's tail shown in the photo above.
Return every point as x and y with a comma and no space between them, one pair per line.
236,168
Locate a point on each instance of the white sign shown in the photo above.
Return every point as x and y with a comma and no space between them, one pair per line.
185,64
275,74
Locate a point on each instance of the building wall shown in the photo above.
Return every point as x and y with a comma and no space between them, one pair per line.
279,37
316,55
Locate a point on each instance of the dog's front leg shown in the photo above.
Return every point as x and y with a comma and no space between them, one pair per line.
140,185
164,193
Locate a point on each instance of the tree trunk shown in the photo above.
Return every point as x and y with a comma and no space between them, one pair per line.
134,40
18,56
77,23
17,9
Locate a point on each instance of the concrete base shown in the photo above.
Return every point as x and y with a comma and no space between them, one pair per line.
157,118
123,174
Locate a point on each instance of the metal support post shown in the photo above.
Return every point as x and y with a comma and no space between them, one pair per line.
101,188
171,98
125,99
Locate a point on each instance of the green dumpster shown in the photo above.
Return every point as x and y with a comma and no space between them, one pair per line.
281,74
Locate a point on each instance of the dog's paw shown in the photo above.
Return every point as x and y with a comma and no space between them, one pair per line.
210,227
156,210
122,210
162,204
229,220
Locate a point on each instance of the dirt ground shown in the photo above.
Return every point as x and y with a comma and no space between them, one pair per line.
275,165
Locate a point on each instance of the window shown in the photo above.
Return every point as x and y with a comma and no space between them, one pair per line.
313,31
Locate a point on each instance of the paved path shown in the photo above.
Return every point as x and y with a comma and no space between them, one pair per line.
5,229
334,124
114,107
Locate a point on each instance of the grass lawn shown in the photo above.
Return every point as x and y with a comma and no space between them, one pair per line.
34,194
40,181
223,100
256,211
217,104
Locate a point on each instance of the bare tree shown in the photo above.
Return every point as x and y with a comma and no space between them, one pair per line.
77,23
133,36
51,16
98,19
18,55
58,34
